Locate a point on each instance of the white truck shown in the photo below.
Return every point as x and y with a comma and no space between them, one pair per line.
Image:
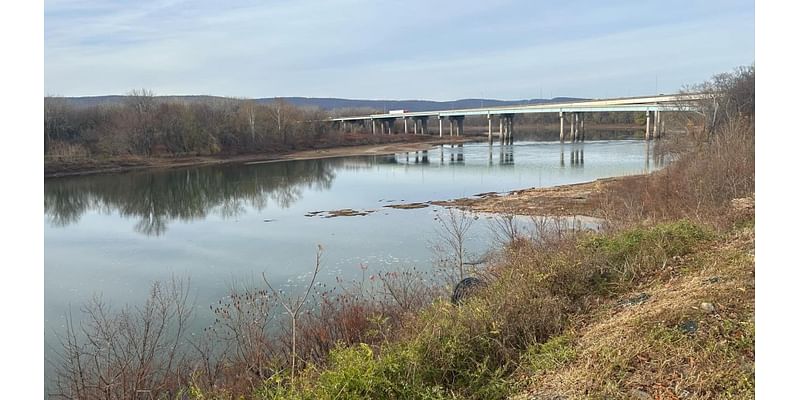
398,111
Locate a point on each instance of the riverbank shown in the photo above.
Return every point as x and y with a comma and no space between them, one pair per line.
376,145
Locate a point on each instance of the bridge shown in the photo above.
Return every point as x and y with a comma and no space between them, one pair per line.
574,111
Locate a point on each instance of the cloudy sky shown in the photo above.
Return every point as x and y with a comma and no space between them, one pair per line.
438,50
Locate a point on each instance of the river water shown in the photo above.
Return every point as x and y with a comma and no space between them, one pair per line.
224,225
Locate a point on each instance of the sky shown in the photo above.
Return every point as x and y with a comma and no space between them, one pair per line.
433,50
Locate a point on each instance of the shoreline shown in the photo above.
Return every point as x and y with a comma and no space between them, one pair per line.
127,164
575,199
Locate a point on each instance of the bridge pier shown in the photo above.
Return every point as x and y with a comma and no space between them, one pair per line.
572,123
373,126
655,125
509,125
510,136
422,122
658,129
583,131
440,126
405,125
459,124
387,126
561,133
489,117
502,132
647,127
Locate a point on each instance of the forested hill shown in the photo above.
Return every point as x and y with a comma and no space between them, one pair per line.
326,103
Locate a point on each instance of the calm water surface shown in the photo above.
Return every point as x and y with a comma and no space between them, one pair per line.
223,225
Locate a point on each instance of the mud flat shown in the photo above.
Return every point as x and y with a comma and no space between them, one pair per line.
575,199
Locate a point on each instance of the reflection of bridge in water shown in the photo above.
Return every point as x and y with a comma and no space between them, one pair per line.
654,156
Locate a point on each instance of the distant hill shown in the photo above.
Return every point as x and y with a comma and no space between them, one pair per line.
330,104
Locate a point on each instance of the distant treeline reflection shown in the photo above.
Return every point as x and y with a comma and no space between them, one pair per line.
157,198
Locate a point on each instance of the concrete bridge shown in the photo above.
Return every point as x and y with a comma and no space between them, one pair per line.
573,111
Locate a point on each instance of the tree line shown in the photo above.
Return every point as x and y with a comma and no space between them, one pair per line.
145,125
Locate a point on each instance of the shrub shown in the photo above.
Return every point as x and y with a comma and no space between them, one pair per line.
541,357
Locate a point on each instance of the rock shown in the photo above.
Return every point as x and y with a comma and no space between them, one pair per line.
713,279
407,206
633,301
688,327
637,394
707,307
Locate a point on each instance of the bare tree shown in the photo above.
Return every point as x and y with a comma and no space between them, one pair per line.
730,99
276,109
142,102
452,231
239,335
506,229
122,355
249,110
294,306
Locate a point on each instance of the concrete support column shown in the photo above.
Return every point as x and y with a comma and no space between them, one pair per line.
373,126
424,127
440,126
583,131
405,125
647,127
460,127
510,129
508,124
451,126
506,129
572,127
655,125
489,117
502,130
415,126
561,134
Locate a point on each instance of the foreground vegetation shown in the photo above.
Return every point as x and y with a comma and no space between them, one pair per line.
658,304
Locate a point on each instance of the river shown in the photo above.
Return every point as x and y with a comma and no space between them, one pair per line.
113,235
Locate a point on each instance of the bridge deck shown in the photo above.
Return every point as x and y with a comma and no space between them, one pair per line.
673,102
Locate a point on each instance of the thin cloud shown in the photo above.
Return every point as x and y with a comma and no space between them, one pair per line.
413,49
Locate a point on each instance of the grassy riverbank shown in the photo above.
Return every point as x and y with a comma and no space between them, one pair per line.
664,311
